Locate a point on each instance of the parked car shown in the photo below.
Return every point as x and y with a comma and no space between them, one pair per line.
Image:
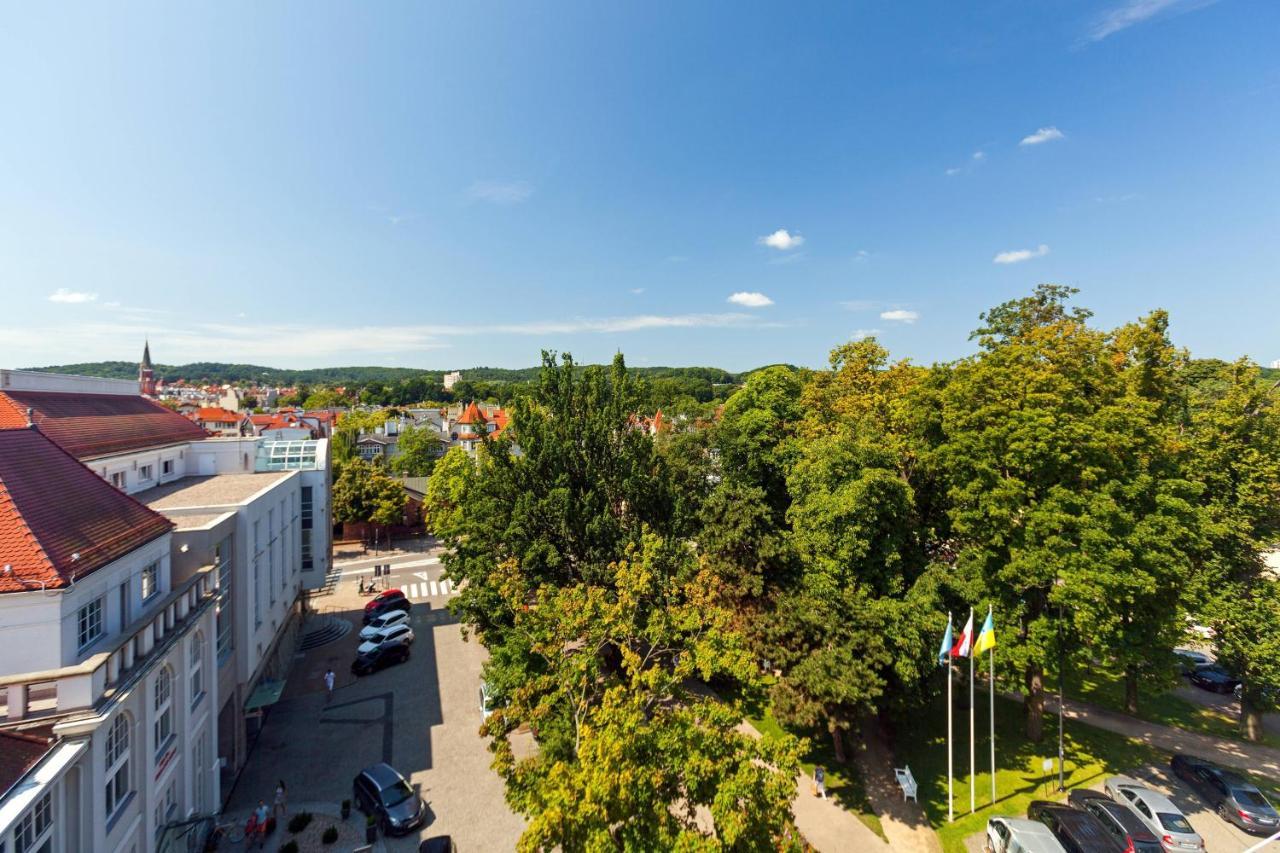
1120,821
1015,835
1233,797
383,603
1076,830
1189,659
1269,695
1156,812
396,635
1214,678
380,791
380,658
438,844
386,620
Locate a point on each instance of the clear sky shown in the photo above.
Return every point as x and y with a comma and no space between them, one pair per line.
733,184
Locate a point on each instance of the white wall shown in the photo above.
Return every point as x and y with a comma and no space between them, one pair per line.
65,383
134,465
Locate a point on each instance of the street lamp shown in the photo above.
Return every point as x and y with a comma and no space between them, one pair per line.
1058,582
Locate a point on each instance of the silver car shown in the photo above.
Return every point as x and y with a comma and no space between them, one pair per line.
1155,810
1016,835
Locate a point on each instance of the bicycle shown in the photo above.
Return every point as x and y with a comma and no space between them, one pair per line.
232,831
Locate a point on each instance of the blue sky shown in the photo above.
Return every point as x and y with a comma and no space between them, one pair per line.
315,184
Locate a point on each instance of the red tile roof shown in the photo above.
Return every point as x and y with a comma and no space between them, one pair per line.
87,425
472,415
19,752
58,520
216,414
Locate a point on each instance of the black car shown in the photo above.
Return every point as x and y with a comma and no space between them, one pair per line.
382,792
438,844
1118,820
391,600
379,658
1214,678
1233,797
1077,831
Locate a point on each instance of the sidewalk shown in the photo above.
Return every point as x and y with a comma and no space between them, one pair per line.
1239,755
903,821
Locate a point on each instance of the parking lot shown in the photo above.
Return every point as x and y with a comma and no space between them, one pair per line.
421,716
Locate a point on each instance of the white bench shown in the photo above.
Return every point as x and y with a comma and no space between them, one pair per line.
906,782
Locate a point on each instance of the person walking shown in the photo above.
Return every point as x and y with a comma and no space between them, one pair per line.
281,804
820,781
328,685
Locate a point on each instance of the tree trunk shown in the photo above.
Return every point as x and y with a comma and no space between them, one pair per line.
1131,689
1250,717
1033,703
837,743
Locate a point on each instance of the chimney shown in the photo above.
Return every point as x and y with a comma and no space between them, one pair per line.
31,419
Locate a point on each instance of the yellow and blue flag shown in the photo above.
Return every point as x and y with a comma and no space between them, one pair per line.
986,637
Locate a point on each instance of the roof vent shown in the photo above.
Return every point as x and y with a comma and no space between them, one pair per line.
31,418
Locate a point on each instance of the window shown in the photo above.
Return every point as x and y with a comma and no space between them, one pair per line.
257,575
89,623
166,467
166,806
308,562
117,479
149,585
146,473
163,725
35,827
196,668
271,554
117,764
222,557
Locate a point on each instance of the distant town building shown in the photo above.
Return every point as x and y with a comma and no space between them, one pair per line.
1276,364
451,379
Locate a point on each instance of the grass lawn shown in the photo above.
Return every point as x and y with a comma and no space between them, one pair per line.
1106,688
920,742
843,784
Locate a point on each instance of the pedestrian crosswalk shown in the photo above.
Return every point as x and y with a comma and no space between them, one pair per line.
429,589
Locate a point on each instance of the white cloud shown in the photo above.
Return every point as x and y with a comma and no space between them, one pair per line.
637,290
500,192
748,299
900,315
781,240
1044,134
285,344
1017,256
863,334
71,297
979,155
1133,12
953,172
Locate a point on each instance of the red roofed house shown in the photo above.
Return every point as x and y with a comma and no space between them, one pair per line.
105,656
474,422
218,421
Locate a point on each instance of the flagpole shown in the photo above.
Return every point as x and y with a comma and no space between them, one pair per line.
972,766
991,666
951,815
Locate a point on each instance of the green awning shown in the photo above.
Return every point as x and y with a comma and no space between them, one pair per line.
266,693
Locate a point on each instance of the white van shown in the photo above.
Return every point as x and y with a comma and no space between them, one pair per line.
1018,835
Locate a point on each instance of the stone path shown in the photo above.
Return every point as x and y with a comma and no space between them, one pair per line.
1253,757
903,821
826,825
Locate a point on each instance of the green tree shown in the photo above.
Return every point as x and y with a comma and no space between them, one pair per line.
364,493
418,449
1235,458
324,398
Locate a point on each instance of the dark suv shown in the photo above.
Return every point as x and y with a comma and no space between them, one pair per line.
380,657
1077,831
1123,825
382,792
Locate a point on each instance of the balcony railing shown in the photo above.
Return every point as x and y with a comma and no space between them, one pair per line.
93,682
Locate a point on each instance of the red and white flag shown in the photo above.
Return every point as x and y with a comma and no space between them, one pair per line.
965,642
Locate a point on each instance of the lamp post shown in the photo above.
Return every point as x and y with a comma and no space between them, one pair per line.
1057,582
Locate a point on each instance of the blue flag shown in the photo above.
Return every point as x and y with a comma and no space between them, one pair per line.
945,650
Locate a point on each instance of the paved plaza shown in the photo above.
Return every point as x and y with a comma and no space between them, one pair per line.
422,717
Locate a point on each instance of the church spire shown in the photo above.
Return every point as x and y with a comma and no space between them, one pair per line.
146,374
146,355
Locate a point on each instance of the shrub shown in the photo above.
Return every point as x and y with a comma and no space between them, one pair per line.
289,847
330,835
299,822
